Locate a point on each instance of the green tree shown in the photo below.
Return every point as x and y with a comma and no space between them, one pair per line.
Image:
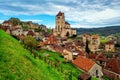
15,21
30,42
87,47
25,27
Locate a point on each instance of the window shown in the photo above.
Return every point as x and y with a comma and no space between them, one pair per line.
96,73
58,17
58,28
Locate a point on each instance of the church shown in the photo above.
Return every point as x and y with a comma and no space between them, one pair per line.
63,28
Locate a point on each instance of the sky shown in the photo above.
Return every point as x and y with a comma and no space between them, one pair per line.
79,13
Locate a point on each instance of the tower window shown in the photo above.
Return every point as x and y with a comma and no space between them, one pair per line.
58,28
58,17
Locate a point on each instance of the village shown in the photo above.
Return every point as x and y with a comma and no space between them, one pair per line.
84,52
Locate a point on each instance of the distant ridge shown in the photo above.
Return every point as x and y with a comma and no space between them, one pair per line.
102,31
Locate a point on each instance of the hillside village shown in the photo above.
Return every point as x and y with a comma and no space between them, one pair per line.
86,52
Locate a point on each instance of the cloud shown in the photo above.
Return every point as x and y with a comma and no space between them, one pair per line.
1,21
82,12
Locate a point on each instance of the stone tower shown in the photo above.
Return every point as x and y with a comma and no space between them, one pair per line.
62,28
60,21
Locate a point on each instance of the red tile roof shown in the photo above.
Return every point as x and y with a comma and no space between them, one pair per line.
30,33
84,35
95,36
4,28
52,39
110,43
84,76
113,65
92,56
57,48
79,43
101,57
82,53
83,63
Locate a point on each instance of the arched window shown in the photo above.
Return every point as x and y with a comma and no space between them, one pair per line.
58,28
67,34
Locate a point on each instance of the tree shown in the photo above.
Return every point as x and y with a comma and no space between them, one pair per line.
15,21
30,42
87,47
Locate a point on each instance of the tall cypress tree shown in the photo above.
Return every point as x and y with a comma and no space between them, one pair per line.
87,47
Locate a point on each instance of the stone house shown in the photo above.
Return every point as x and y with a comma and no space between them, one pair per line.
99,58
31,33
79,46
110,47
25,32
7,23
17,31
50,40
94,42
84,76
69,46
93,47
79,53
88,66
68,55
56,48
112,69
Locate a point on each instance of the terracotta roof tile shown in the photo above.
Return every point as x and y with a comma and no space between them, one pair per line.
101,57
92,56
113,65
30,33
57,48
84,76
83,63
110,43
79,43
95,37
82,53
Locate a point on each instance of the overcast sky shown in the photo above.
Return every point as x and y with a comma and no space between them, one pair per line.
79,13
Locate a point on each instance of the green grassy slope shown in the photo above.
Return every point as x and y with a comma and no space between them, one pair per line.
66,67
16,63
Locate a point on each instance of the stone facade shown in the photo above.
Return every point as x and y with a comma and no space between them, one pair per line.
63,28
68,55
110,47
96,71
94,42
89,66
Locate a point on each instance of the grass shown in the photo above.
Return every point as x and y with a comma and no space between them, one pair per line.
66,67
16,63
103,40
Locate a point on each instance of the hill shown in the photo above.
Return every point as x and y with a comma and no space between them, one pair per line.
16,22
16,63
105,31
